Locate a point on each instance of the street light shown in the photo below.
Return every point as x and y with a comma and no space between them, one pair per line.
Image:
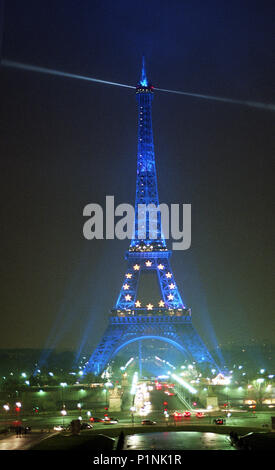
63,384
133,409
18,405
7,409
64,413
260,381
79,406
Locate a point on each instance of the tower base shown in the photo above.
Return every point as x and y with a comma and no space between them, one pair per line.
173,326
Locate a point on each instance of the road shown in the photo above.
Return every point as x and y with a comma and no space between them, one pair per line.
243,418
158,397
246,420
47,422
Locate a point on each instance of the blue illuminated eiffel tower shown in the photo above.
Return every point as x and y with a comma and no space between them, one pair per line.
130,321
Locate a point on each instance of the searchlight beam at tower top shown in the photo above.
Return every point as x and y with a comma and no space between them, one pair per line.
33,68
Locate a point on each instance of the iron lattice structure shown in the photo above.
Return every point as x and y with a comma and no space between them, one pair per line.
129,320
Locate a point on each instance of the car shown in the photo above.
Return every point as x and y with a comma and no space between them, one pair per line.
59,427
97,420
86,426
113,419
187,414
110,421
199,414
178,415
219,421
148,421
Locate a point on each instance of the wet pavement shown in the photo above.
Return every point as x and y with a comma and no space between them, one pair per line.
178,441
12,442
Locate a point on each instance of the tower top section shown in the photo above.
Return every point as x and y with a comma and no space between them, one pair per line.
147,235
143,86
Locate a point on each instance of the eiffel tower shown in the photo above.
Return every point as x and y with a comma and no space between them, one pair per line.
170,321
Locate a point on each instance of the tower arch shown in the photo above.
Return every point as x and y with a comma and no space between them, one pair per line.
160,338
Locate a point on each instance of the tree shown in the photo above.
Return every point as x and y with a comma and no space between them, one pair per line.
258,391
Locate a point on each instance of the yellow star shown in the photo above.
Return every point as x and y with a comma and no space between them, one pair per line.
170,297
149,306
136,267
161,303
128,275
138,304
148,263
172,286
128,297
126,286
160,266
168,275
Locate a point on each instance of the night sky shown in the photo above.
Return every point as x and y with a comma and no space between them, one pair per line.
66,143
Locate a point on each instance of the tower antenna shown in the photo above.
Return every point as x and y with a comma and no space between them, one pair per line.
143,80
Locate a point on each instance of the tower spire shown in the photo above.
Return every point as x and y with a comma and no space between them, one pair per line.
143,80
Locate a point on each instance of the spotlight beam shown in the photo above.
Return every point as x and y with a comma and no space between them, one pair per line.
184,384
253,104
34,68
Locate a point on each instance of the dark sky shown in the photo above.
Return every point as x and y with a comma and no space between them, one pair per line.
66,143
